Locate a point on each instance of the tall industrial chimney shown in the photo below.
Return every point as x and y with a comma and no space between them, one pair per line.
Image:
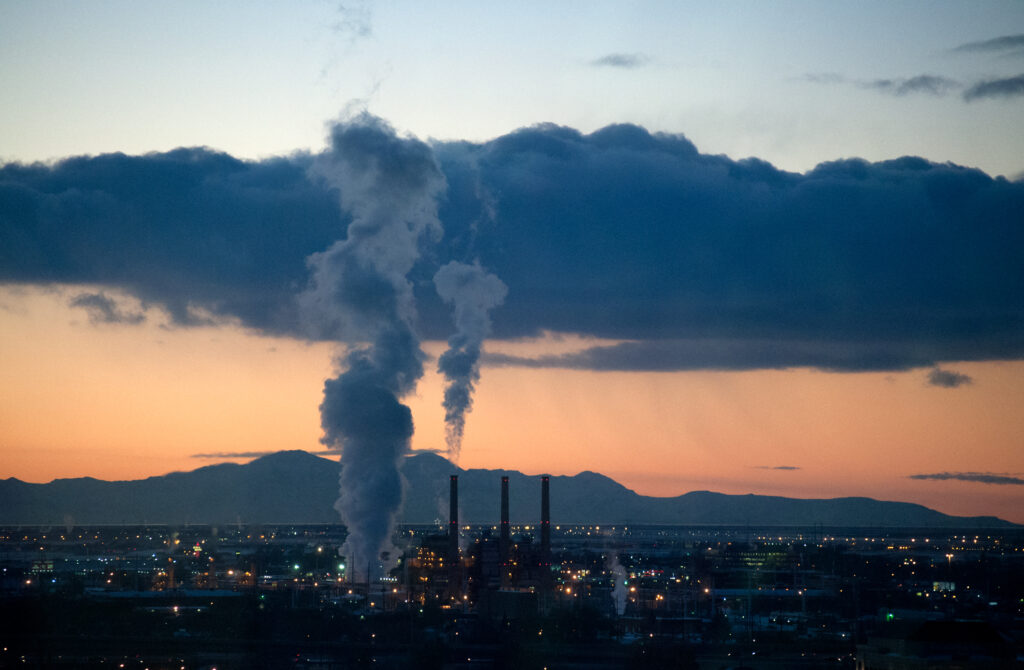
504,542
453,520
454,576
545,528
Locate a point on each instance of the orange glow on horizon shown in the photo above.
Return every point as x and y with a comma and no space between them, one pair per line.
126,402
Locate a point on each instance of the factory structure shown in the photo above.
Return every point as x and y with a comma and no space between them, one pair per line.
501,576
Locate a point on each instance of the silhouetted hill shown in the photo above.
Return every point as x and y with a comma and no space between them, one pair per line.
298,487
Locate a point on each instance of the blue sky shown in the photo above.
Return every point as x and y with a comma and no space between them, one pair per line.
794,83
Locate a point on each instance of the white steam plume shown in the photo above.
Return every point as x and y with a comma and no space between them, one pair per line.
360,296
473,292
619,592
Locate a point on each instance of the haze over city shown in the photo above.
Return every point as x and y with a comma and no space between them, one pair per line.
751,248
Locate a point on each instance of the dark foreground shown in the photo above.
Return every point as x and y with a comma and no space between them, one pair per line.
641,597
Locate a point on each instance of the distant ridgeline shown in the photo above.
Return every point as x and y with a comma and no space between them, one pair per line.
298,487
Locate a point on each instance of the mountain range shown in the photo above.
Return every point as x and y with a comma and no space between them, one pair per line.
299,487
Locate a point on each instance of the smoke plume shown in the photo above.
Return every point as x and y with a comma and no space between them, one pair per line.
359,295
473,292
619,593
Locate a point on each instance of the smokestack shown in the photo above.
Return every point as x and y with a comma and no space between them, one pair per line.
453,538
453,520
545,528
504,543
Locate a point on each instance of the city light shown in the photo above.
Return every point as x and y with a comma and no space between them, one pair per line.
765,588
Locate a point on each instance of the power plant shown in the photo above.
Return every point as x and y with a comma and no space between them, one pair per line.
500,574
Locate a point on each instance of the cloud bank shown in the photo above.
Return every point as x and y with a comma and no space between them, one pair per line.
690,261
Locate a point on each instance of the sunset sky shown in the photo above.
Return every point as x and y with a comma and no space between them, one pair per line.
710,295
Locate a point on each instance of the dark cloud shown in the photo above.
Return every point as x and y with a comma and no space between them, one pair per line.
104,309
1006,43
234,454
948,378
739,353
179,230
718,263
778,467
621,60
1009,87
981,477
924,83
694,261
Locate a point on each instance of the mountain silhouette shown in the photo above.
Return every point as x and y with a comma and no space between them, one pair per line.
299,487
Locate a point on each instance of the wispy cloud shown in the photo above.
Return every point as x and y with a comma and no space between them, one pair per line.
923,83
1006,43
104,309
929,84
354,21
622,60
234,454
980,477
778,467
1009,87
825,78
948,378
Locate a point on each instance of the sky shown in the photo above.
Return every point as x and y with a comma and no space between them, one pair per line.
749,247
